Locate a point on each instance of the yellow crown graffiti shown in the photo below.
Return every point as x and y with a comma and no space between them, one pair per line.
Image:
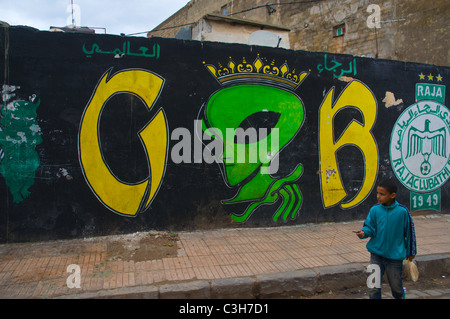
256,71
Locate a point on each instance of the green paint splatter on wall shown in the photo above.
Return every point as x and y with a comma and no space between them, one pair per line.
19,136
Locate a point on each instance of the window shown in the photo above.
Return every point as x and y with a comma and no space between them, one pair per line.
339,30
224,10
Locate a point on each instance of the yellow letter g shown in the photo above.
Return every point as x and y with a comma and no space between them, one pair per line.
123,198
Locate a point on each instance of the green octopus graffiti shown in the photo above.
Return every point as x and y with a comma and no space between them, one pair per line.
259,98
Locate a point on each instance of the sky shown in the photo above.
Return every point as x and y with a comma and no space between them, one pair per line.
117,16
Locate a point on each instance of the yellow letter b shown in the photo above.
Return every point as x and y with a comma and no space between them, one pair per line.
358,96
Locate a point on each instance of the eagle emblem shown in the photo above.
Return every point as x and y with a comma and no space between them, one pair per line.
426,142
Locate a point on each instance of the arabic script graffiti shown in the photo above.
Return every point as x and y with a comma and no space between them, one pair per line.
336,67
125,50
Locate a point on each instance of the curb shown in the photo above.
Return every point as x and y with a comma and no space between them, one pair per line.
295,284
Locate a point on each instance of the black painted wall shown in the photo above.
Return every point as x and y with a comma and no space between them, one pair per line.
93,129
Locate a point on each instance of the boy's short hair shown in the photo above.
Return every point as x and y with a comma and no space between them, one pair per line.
389,185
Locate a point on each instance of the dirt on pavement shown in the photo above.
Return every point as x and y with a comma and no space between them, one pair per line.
142,247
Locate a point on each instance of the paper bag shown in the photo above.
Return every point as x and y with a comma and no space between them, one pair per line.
412,271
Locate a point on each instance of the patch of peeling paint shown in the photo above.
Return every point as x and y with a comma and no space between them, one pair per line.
390,100
329,173
345,78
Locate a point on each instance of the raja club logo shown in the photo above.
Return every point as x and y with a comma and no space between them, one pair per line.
420,146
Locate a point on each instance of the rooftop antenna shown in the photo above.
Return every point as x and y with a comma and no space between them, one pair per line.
73,18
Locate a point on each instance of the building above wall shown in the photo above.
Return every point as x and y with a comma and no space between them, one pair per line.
232,30
413,31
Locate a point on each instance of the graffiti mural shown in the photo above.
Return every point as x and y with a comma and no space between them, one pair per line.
257,100
420,145
20,134
121,197
355,95
111,134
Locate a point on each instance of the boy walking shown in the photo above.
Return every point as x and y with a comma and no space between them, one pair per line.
392,238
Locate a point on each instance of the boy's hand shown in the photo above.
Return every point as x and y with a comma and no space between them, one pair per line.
410,258
359,233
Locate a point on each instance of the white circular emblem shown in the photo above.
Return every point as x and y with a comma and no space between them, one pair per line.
420,146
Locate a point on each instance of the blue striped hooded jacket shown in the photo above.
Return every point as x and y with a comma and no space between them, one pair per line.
391,231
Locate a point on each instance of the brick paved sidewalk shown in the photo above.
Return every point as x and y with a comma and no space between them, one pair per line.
40,270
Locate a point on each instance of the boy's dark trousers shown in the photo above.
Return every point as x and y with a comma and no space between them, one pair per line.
393,269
